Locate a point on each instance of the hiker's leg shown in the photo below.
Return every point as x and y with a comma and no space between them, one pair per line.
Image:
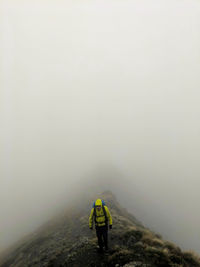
99,236
105,237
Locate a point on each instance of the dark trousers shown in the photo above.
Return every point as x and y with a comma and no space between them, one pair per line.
102,235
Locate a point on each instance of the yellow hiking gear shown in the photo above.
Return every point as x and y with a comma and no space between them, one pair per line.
100,216
98,202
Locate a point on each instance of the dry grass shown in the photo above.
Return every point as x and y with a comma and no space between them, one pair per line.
132,228
122,253
171,247
151,239
191,257
154,242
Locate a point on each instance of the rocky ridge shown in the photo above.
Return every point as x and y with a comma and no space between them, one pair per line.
67,241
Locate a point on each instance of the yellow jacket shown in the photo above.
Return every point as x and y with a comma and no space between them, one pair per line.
100,219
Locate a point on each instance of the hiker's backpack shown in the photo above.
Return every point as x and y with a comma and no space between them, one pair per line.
104,211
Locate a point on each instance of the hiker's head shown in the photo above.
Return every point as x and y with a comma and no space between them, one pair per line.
98,204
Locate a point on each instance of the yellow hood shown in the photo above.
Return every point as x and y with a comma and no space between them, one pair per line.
98,202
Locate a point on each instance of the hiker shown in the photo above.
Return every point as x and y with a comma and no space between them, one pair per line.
101,216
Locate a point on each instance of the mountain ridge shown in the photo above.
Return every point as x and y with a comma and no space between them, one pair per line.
67,241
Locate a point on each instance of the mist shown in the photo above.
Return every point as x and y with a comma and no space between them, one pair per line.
100,95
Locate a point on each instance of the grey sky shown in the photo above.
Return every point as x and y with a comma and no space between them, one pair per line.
91,87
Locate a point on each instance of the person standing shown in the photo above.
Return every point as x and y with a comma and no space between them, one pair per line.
101,216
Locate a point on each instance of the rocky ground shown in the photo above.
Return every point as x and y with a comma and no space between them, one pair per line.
67,241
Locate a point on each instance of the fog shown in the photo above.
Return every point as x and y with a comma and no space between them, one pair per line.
99,95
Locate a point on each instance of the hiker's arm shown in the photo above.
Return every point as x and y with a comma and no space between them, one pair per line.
109,215
91,218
